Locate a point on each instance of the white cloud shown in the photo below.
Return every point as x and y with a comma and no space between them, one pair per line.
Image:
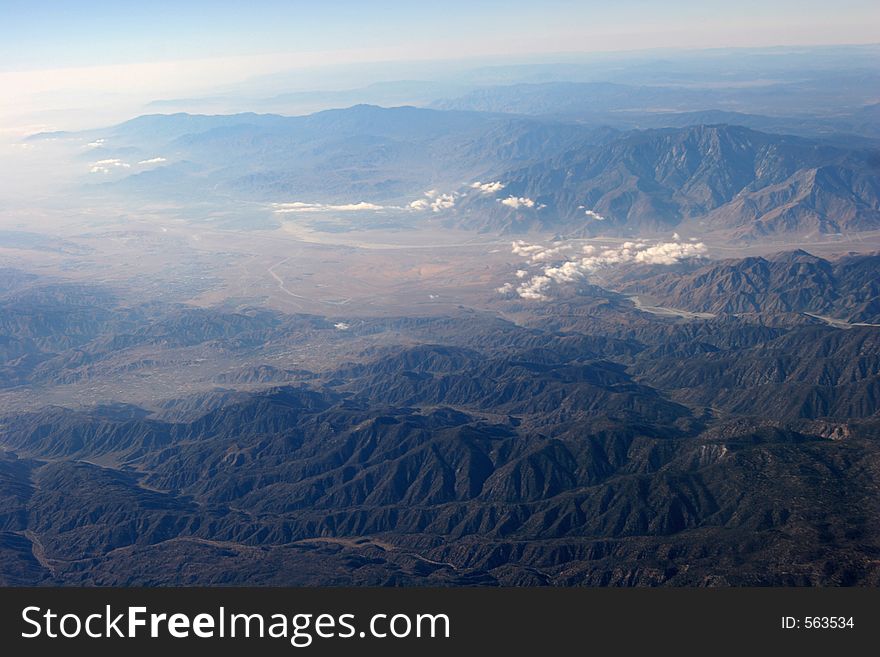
567,272
489,187
153,160
592,214
669,253
438,201
517,202
534,289
299,206
106,166
563,269
443,202
341,326
435,200
538,253
522,249
97,143
553,253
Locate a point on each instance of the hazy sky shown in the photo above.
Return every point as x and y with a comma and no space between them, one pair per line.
41,34
60,54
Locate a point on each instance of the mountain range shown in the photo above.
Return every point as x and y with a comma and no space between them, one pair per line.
607,322
703,179
589,443
722,179
791,282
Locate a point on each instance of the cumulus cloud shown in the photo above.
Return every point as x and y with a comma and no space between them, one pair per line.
443,202
592,214
558,267
106,166
489,187
534,289
299,206
538,253
153,160
435,200
520,248
341,326
553,253
97,143
669,253
517,202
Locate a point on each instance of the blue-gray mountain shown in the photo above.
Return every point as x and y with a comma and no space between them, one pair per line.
702,179
723,179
